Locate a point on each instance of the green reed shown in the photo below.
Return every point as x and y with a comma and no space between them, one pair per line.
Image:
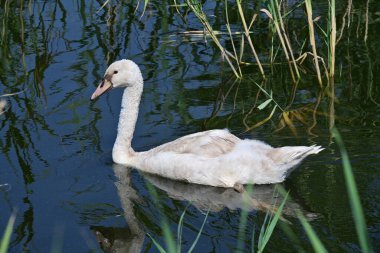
354,199
353,195
310,21
332,38
196,8
271,219
5,240
172,245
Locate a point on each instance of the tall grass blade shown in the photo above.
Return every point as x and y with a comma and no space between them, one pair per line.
263,240
199,233
309,11
5,240
231,38
360,223
179,230
158,246
238,2
243,218
196,8
286,39
168,237
315,242
332,39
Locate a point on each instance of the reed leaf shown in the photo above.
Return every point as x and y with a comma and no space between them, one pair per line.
199,233
353,195
268,230
168,237
332,39
5,240
158,246
309,11
247,34
315,242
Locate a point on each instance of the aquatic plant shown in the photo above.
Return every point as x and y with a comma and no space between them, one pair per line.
5,240
352,191
172,245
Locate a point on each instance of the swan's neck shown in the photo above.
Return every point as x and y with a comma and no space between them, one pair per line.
123,152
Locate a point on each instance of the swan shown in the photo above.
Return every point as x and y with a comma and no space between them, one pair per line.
214,157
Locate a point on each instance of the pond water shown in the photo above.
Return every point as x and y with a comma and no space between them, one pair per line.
56,169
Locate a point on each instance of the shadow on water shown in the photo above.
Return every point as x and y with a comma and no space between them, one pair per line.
56,145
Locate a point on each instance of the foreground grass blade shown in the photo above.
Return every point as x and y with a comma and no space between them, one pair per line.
315,242
271,225
158,246
244,218
353,195
168,237
179,230
199,233
4,244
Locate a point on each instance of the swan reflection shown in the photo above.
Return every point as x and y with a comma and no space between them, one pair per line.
131,238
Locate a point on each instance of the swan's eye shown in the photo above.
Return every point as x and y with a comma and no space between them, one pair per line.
115,72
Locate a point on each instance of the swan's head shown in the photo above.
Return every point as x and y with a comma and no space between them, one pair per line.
122,73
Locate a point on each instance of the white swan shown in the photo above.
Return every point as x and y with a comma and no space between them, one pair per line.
214,157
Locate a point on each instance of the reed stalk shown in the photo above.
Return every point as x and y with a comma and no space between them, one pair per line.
279,17
353,195
313,237
271,219
5,240
332,39
309,11
366,22
275,15
238,59
196,8
247,34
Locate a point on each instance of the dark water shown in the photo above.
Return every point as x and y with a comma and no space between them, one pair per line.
56,169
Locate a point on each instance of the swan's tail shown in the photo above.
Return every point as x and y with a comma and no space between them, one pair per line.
288,157
299,152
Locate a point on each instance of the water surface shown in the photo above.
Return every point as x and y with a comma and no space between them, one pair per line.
56,169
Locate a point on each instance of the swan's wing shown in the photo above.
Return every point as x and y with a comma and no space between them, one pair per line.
210,143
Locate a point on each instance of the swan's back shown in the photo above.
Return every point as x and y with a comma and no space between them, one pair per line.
219,158
211,143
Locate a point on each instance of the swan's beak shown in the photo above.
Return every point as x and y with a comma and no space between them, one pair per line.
103,87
